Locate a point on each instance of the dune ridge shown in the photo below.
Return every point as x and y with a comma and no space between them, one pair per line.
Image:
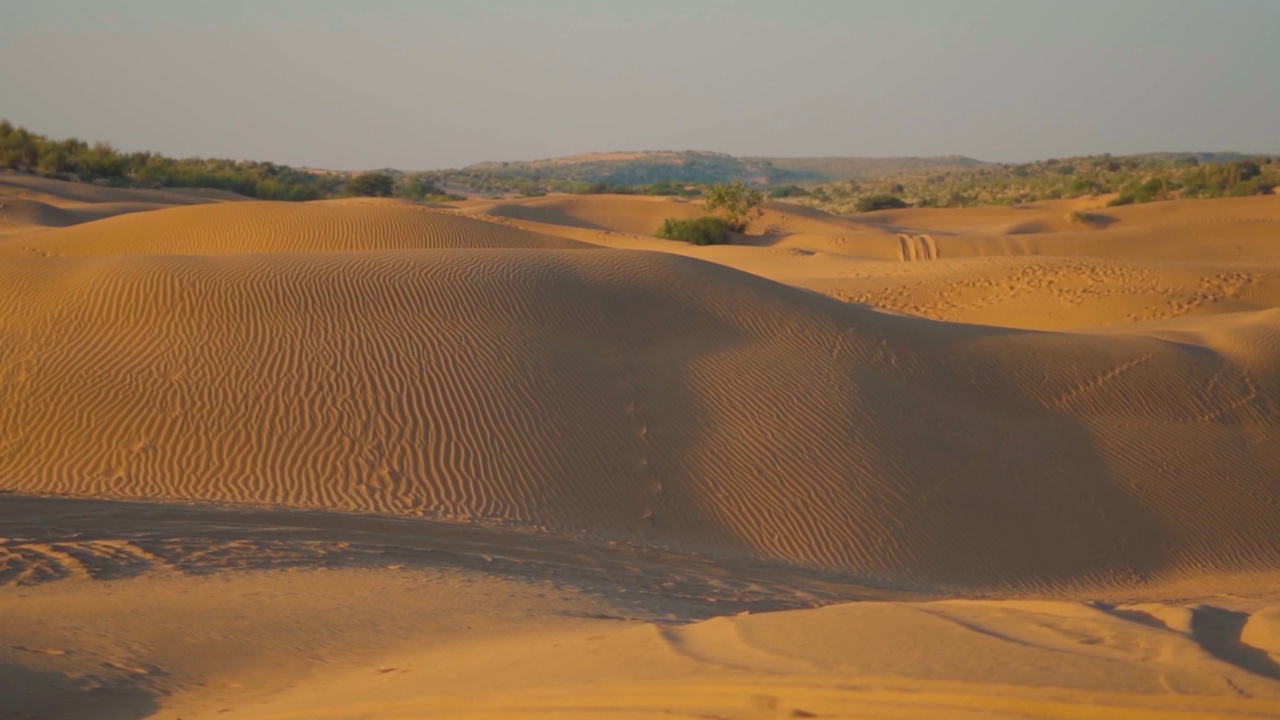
333,225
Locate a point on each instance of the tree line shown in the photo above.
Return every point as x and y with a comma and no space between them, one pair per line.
75,159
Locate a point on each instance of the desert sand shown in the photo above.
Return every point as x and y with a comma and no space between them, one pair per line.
378,459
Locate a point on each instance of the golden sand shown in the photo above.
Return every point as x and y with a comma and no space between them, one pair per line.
353,459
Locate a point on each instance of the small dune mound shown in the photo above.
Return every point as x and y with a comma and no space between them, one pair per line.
983,220
634,396
280,227
21,215
643,215
631,214
1262,632
1213,240
25,214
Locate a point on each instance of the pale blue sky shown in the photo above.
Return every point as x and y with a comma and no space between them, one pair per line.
418,85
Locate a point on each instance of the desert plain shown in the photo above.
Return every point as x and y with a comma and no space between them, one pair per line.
369,458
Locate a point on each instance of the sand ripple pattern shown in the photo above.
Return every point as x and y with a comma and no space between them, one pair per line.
621,395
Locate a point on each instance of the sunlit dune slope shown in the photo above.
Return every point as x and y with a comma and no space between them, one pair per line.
1031,266
637,396
1052,292
1220,230
332,225
1212,240
1057,215
354,644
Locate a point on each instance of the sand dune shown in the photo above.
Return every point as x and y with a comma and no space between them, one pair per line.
279,227
527,434
1055,292
1030,267
643,397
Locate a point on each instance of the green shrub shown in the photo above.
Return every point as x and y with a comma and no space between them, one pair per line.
880,202
786,191
1085,217
739,204
700,231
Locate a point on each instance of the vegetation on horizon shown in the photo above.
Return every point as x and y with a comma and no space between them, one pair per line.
100,163
1131,179
641,169
896,182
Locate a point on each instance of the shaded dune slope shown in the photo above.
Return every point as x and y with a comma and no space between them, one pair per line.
278,226
24,215
30,204
635,396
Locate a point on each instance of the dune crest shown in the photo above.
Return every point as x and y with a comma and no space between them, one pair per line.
323,226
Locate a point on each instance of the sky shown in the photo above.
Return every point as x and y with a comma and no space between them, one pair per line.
425,85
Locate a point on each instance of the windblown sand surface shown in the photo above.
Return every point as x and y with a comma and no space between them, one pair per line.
373,459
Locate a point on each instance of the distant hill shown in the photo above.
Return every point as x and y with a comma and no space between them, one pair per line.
642,168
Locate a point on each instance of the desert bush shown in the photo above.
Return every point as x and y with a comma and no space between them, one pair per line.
880,202
738,203
1085,217
708,230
